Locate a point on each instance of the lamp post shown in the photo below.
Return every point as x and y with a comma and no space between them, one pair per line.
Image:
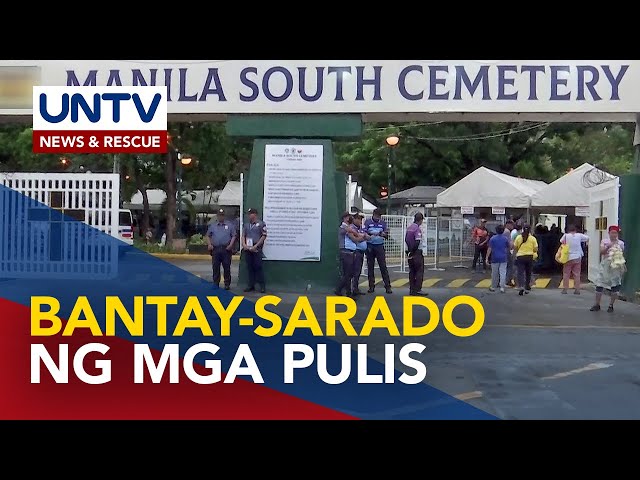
183,160
392,142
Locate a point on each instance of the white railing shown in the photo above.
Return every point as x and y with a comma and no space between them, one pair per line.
38,242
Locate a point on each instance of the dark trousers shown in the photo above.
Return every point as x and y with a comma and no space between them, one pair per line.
377,252
347,261
254,268
510,265
416,271
358,260
221,256
480,254
524,265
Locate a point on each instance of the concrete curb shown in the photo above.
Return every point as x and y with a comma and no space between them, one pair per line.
590,287
185,256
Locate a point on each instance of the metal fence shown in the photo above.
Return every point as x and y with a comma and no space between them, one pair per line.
395,247
446,243
455,246
38,240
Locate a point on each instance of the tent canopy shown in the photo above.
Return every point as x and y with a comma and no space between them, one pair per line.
230,195
367,206
487,188
202,199
419,194
570,190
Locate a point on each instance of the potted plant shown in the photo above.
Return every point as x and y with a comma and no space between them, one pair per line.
197,245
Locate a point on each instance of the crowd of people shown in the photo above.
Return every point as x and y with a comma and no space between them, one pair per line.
513,245
548,239
512,252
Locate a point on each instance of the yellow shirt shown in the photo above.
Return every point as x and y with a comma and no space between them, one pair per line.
530,247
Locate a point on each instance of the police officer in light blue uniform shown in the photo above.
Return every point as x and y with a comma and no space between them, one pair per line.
253,238
348,239
361,249
378,231
221,236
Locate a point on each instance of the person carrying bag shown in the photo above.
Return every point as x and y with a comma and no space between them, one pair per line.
570,256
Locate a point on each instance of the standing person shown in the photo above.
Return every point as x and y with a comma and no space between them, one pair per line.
480,239
508,227
517,230
378,232
348,239
221,236
413,238
526,250
361,248
574,265
611,270
253,238
499,252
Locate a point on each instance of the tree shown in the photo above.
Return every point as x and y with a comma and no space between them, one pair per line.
443,153
141,173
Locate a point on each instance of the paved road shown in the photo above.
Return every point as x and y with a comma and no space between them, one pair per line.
541,356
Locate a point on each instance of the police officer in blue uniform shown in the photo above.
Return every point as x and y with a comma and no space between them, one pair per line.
348,238
221,236
361,249
378,232
253,238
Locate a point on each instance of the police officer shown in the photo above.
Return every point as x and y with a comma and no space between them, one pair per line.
361,248
348,239
221,236
378,231
253,238
413,238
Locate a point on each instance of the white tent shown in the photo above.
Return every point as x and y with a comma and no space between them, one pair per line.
367,206
570,190
155,196
230,195
201,199
487,188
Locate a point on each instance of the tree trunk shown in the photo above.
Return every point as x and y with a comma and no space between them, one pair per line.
171,195
146,210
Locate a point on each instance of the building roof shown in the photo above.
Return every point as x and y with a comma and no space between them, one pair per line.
419,194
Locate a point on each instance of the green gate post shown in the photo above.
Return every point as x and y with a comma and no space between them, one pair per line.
630,221
292,129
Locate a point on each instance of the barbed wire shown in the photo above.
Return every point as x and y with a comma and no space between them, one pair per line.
594,177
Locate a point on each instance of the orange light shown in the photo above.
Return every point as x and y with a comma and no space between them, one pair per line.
392,141
127,177
169,138
186,160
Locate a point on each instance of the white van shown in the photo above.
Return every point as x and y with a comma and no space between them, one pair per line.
125,226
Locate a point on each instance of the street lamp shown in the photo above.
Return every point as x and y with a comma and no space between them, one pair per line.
183,161
392,142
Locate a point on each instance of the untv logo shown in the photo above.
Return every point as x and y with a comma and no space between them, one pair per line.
99,120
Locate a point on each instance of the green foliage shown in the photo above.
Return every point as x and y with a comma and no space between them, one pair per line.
186,206
443,153
151,247
197,239
428,154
